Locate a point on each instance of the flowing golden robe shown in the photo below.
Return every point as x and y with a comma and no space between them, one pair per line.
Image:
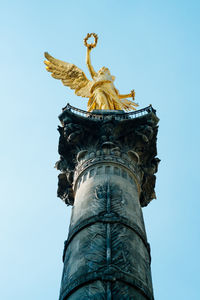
104,95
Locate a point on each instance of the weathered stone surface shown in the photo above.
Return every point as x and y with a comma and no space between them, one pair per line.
86,139
107,169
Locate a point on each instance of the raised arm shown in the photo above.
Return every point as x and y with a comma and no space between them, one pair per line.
88,62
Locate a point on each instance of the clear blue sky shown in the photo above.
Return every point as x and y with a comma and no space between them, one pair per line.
151,46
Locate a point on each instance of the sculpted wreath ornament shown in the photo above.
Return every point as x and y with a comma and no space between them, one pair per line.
92,45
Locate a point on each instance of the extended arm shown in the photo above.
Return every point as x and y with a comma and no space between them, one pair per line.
88,62
124,96
132,94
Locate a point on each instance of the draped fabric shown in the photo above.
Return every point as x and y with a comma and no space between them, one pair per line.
105,96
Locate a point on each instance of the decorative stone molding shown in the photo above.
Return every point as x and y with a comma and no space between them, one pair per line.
124,140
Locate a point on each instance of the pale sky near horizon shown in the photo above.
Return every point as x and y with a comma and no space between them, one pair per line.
151,46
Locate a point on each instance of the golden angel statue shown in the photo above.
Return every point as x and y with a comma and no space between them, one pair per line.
100,90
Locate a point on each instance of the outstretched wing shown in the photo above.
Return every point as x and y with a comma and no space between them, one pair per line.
69,74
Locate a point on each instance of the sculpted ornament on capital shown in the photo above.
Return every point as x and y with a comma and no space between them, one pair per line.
85,142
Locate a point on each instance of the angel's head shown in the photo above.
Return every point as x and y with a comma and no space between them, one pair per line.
104,73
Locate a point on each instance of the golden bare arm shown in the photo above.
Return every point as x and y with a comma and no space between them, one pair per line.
124,96
132,94
88,62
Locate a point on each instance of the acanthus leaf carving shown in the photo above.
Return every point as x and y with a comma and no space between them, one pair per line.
86,141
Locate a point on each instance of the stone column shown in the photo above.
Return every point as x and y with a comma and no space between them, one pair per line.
108,161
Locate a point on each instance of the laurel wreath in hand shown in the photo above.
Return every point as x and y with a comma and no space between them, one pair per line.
92,45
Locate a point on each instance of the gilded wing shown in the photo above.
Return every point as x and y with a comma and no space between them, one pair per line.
69,74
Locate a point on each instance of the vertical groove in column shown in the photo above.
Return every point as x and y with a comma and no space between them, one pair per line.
108,241
109,294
